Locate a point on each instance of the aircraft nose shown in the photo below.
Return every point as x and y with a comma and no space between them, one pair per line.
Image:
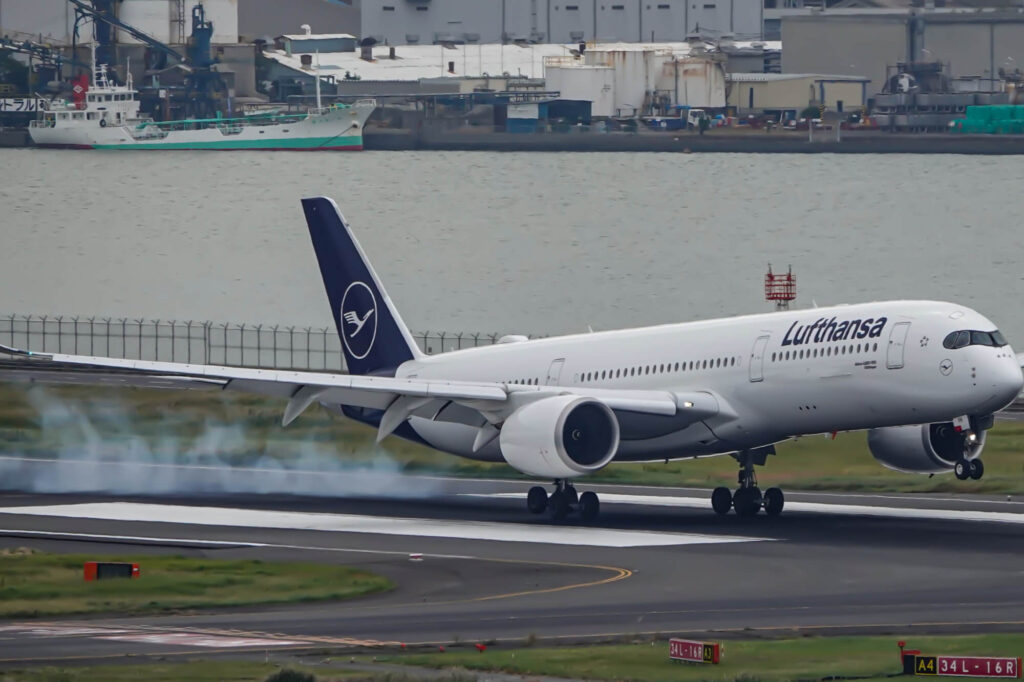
1008,381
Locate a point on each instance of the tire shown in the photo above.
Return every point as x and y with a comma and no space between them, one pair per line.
590,506
774,501
537,500
977,469
962,469
558,506
721,500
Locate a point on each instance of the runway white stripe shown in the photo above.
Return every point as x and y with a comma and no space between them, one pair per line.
815,507
379,525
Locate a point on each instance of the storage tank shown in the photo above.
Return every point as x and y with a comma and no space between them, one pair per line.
591,83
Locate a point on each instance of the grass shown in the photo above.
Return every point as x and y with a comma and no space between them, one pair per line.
194,671
811,658
34,584
239,429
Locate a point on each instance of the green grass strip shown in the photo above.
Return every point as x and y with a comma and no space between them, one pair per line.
36,585
808,658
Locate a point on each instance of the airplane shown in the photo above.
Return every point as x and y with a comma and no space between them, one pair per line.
924,378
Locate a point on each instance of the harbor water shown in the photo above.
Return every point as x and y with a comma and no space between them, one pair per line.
538,243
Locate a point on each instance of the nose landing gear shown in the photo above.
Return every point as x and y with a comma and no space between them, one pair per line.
562,501
969,468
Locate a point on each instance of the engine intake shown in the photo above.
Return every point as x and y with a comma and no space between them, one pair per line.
560,437
923,448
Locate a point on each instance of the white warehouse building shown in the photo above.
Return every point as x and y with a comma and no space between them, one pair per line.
405,22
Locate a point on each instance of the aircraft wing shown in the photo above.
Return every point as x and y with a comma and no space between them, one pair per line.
399,397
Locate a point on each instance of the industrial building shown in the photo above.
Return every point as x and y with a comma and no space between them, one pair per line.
974,46
639,79
402,22
787,94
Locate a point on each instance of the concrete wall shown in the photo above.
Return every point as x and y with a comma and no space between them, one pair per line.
848,46
271,18
561,21
972,44
53,19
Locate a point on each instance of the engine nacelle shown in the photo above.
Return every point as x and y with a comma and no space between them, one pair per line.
923,448
560,437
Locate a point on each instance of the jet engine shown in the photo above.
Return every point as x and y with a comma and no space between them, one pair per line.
924,448
560,437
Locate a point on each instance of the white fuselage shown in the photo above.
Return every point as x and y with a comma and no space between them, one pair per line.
774,376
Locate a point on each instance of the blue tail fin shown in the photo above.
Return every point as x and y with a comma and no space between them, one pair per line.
373,336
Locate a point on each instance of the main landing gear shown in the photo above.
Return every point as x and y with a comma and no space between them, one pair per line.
562,501
748,499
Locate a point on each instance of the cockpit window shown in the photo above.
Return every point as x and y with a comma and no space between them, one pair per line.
981,339
960,339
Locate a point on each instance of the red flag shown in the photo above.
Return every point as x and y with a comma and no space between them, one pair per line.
79,86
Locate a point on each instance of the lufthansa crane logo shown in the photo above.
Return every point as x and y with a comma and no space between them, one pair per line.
358,319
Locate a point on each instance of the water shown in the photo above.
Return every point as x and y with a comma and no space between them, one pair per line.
503,242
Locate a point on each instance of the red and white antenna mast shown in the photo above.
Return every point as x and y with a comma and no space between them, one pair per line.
780,288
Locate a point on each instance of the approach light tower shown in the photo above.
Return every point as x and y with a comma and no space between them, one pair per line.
780,288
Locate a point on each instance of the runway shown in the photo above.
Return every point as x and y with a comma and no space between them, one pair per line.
658,561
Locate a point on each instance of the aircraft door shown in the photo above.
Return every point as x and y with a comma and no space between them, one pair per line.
555,372
897,343
757,359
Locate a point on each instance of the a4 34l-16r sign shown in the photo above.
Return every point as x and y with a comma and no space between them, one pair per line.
967,666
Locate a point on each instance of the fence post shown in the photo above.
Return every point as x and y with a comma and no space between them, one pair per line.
309,331
60,335
156,340
124,338
106,329
323,337
441,335
225,337
259,344
274,349
459,340
188,341
476,339
139,323
291,347
493,338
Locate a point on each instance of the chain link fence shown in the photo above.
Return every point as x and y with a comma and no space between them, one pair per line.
203,343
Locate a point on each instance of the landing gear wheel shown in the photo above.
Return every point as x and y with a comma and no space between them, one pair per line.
977,469
962,469
721,500
589,505
537,500
747,501
774,501
558,505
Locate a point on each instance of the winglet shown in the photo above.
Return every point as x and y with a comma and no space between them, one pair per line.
373,336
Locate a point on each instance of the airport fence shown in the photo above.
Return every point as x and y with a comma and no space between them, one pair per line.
207,343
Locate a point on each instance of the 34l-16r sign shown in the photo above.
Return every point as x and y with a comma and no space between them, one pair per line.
694,652
967,666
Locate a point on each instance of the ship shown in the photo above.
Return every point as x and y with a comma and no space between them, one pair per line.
105,115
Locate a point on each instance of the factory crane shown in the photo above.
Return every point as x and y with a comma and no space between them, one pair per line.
205,93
